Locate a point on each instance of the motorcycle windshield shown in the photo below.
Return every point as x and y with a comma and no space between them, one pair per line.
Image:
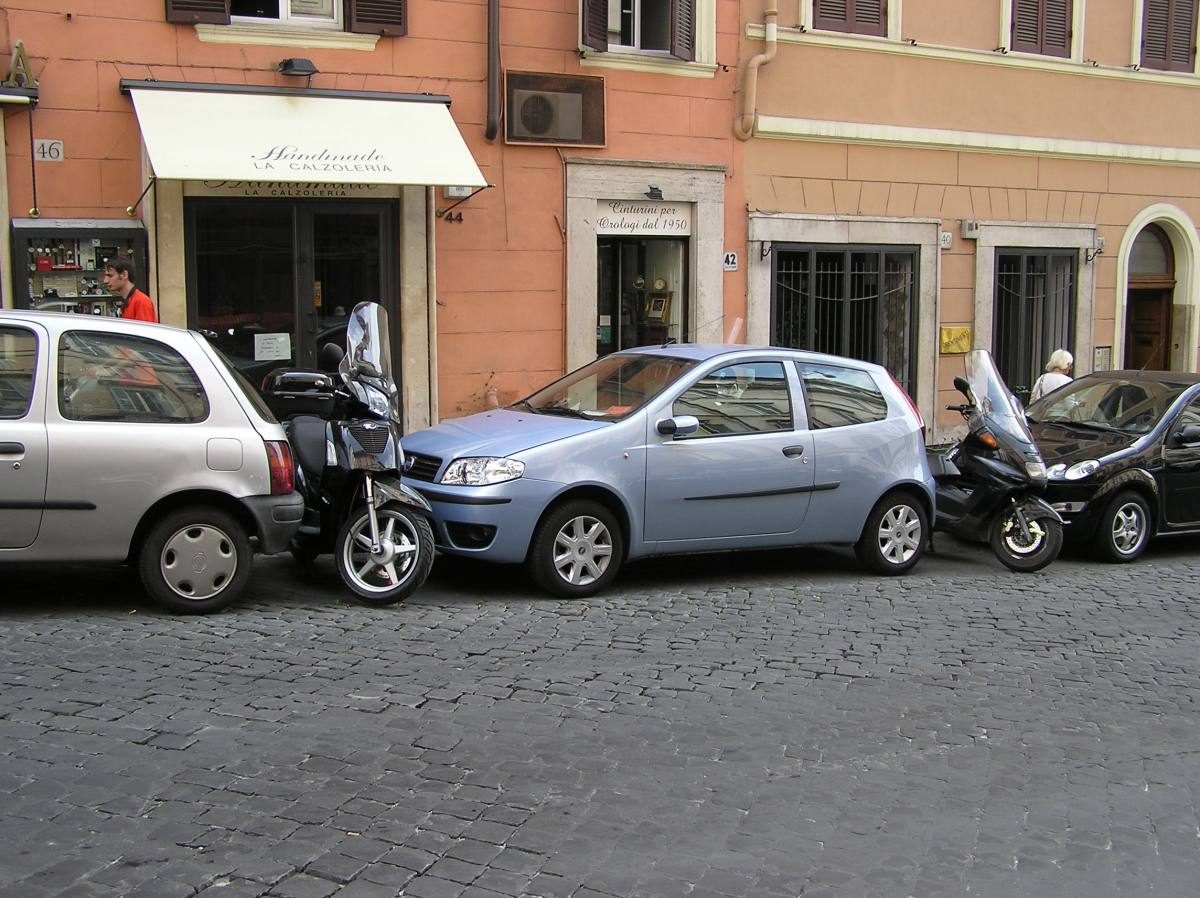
997,406
368,358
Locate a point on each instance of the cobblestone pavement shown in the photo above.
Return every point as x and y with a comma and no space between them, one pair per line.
755,725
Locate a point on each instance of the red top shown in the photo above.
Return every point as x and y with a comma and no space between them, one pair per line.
139,307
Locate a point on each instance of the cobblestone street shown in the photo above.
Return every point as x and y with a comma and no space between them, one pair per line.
756,725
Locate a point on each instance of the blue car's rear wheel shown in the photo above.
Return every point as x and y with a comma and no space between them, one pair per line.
577,549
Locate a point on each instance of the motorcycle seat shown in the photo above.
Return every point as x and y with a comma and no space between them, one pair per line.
307,435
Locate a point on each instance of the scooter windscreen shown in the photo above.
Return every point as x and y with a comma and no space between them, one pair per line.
996,404
367,367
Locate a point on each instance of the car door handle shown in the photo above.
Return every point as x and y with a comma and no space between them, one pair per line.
793,451
12,448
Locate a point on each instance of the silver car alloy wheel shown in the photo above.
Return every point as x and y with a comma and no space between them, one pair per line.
583,549
1129,528
397,556
198,561
899,534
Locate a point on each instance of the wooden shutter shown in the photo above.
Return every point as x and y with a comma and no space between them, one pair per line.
683,29
1183,35
831,15
388,18
1169,35
870,17
1056,27
192,12
854,16
1042,26
593,16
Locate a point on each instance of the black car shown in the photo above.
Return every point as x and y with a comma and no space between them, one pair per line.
1122,450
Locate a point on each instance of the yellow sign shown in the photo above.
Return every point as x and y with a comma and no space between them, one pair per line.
317,298
955,340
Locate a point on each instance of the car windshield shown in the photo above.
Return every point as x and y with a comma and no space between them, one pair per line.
609,388
1129,405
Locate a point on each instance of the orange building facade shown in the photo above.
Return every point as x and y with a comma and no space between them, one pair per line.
208,140
1015,175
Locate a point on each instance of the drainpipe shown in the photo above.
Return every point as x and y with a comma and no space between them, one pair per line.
431,298
493,70
743,126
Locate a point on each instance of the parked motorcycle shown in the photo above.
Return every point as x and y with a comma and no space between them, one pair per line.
988,484
343,422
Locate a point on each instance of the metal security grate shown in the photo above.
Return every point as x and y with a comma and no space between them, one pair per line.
1034,313
849,301
423,467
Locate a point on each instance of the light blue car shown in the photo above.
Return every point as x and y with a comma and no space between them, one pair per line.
682,448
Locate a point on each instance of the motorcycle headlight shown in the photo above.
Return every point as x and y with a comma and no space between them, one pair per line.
482,471
1081,469
1036,471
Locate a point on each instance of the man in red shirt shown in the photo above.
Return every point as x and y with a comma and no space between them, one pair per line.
118,278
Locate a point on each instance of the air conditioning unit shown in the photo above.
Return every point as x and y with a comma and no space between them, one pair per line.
550,108
546,115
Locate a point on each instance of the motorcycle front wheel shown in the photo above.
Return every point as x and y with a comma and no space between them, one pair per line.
400,566
1022,553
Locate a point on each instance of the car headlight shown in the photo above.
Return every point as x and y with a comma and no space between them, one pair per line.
482,471
1081,470
1055,472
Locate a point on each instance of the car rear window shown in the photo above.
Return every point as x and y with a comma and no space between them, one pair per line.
18,362
120,377
840,397
256,401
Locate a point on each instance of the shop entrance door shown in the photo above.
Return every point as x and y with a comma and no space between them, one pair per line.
270,282
641,292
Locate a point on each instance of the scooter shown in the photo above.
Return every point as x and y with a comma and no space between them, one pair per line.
343,422
988,484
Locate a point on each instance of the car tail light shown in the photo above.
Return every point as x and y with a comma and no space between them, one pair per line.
279,457
916,411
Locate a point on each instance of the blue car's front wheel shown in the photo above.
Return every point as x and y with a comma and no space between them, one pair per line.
577,549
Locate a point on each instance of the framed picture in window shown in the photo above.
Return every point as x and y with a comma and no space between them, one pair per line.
658,306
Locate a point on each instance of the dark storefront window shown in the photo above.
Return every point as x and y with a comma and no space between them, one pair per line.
641,293
1034,313
858,302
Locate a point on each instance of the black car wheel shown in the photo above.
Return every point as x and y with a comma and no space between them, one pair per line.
894,537
577,550
1124,528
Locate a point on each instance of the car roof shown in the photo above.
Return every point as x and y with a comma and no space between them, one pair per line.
702,352
106,322
1178,377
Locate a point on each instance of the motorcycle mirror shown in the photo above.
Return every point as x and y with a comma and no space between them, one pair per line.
960,384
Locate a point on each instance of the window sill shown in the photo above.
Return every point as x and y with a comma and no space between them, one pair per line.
284,36
645,62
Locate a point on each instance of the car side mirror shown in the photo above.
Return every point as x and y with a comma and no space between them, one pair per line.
1189,435
679,426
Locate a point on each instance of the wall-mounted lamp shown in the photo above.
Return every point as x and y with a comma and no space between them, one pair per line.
654,193
297,65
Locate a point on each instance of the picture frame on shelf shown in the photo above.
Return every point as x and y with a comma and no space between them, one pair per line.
658,306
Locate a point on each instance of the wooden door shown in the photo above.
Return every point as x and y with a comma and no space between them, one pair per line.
1148,330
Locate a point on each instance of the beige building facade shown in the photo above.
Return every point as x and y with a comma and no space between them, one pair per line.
1014,175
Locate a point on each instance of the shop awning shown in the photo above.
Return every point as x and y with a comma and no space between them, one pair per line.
207,135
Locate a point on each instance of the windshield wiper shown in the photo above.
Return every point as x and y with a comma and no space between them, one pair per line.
563,411
523,402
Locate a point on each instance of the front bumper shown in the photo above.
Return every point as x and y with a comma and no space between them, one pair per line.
277,519
1077,505
495,523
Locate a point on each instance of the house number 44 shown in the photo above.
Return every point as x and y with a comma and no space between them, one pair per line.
48,150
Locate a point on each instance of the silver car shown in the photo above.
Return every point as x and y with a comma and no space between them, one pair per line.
124,441
682,448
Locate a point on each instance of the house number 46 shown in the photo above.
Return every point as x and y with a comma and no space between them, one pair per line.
48,150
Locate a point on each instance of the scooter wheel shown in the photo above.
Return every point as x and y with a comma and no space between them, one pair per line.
1025,554
403,562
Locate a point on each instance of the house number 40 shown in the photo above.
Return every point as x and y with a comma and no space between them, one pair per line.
48,150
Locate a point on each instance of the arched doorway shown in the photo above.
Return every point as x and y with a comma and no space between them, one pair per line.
1148,302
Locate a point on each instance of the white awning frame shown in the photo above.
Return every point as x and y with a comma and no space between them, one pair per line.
239,133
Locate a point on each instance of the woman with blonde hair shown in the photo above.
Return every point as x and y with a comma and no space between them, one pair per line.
1058,372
